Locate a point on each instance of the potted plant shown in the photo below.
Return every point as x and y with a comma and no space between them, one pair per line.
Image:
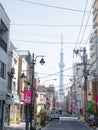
43,117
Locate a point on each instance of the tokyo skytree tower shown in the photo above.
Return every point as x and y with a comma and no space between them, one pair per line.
61,78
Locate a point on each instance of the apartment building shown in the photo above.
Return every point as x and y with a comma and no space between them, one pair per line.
78,85
51,96
23,79
93,85
4,41
12,95
94,39
41,100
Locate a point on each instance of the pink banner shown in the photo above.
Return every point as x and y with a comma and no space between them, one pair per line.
47,103
97,100
27,96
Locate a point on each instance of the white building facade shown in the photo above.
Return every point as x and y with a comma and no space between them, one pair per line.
41,100
94,39
13,63
4,41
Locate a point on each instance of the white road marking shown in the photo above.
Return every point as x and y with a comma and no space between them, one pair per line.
68,118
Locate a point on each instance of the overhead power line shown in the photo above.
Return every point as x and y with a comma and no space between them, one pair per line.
49,25
57,72
81,23
44,42
84,32
75,82
52,6
89,36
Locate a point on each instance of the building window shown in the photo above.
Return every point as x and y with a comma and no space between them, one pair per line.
3,45
14,87
3,27
2,70
9,82
23,86
41,97
15,61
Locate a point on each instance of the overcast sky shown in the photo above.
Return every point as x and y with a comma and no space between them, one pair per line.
36,25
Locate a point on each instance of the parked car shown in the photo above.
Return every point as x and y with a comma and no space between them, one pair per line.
54,115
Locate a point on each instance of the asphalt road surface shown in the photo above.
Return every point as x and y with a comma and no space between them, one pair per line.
65,125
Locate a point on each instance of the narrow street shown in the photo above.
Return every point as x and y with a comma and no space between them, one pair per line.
66,125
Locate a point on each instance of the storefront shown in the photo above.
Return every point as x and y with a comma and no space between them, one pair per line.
14,109
8,103
2,106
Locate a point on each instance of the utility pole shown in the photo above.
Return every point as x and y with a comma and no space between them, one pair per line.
31,111
32,94
85,80
84,59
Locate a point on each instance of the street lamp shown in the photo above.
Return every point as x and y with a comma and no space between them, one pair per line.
30,111
32,86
